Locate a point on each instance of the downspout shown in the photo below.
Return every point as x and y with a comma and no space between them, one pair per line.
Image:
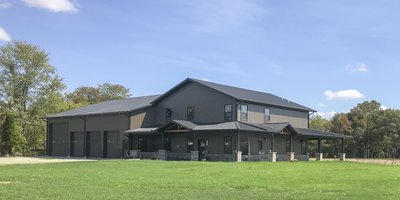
84,138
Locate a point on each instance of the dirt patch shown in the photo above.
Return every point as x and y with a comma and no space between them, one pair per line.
36,160
377,161
5,182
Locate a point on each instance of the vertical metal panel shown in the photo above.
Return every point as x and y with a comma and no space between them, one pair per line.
59,139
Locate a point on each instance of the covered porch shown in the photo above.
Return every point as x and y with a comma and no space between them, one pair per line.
228,141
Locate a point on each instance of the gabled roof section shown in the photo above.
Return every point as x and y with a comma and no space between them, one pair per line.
108,107
241,94
236,125
317,134
277,127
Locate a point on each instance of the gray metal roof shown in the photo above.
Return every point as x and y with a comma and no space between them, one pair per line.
109,107
142,130
187,124
253,96
317,134
241,94
228,126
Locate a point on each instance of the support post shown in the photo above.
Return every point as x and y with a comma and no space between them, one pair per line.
342,155
163,140
272,156
273,143
319,155
238,152
195,145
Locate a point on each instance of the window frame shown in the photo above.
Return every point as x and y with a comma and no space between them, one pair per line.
269,115
226,119
247,113
190,117
228,147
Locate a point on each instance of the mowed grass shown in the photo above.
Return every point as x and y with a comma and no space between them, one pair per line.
129,179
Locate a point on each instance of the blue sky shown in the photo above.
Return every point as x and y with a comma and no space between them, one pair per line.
327,55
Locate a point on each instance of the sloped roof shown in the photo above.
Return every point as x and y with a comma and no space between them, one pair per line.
242,94
142,130
317,134
187,124
109,107
228,126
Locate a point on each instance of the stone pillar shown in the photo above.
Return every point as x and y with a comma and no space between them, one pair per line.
162,154
272,156
319,156
342,156
239,156
134,154
290,156
194,155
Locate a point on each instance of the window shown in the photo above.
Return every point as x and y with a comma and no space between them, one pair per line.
168,115
267,115
243,113
167,143
141,143
228,145
190,144
304,147
228,112
244,146
190,113
259,145
288,145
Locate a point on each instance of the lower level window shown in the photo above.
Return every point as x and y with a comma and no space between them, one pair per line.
228,145
190,144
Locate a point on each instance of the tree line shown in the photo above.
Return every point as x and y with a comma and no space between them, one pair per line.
30,89
375,131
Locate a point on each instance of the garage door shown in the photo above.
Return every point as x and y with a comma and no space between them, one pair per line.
94,144
58,139
77,144
111,144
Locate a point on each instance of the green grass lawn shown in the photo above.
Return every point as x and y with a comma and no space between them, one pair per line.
117,179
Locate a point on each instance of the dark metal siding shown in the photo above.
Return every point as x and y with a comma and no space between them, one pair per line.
58,139
111,144
94,144
77,144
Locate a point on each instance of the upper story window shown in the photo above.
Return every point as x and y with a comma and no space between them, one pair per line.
168,115
267,115
228,112
190,113
243,113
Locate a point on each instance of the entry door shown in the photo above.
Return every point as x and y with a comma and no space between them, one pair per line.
202,149
77,144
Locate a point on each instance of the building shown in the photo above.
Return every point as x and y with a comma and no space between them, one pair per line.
195,120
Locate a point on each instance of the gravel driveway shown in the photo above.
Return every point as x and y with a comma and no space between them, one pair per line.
35,160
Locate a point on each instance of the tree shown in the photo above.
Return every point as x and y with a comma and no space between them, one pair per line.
103,92
360,116
319,123
26,79
11,142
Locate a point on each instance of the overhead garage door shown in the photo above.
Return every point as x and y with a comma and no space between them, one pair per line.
58,139
94,144
111,144
77,144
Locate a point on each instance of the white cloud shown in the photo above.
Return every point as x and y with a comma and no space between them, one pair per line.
5,4
53,5
383,107
359,68
4,36
343,94
321,105
326,115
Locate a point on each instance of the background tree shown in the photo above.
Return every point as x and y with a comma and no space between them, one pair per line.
26,79
11,142
103,92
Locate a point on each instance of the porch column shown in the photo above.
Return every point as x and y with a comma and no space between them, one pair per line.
319,154
163,140
342,155
290,153
195,145
272,143
238,152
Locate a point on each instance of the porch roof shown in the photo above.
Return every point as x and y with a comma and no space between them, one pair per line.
317,134
236,125
142,130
